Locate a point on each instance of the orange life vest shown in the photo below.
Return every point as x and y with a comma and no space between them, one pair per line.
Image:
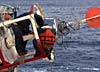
47,38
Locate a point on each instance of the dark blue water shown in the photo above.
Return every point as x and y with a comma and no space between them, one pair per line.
80,51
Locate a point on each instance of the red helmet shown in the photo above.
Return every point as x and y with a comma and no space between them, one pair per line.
7,16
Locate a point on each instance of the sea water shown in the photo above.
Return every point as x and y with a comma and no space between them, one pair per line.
80,51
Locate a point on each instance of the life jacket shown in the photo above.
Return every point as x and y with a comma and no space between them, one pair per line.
47,38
